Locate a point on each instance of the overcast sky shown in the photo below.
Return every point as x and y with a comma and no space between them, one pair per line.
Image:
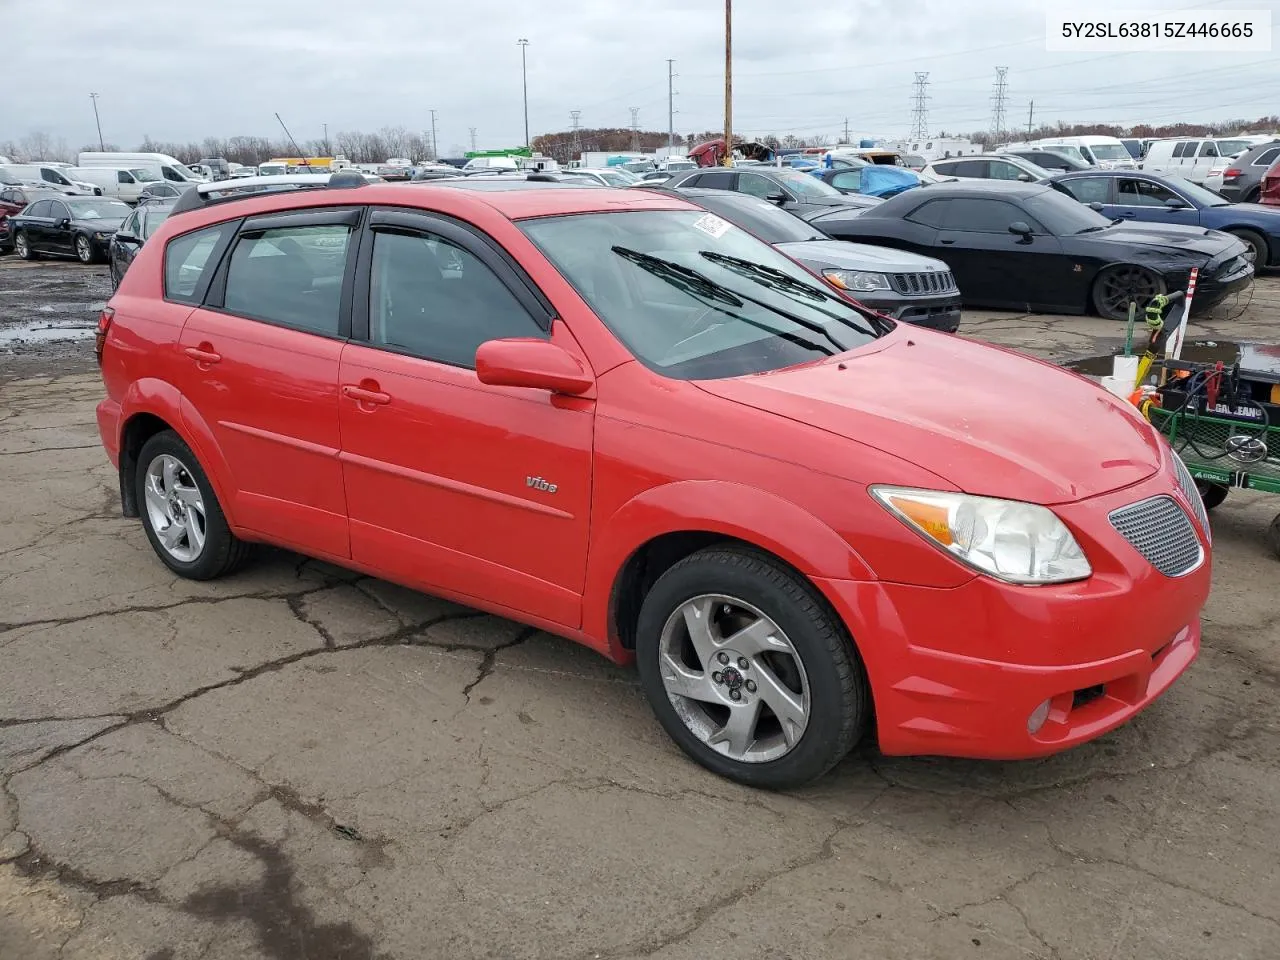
186,70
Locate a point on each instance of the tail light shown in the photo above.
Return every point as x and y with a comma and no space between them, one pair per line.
1231,172
100,335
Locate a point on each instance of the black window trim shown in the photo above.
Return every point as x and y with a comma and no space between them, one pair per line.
415,220
347,215
199,294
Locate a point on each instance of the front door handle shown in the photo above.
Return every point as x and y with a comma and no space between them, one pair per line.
1128,215
201,355
946,241
362,395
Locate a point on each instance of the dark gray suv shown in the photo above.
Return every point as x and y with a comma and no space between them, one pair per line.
1242,181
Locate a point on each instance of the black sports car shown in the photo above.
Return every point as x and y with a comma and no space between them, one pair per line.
79,227
793,190
1029,247
133,233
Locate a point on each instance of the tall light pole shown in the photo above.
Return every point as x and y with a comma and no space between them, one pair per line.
524,82
94,98
435,150
671,108
728,83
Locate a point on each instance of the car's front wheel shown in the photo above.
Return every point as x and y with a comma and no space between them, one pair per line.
23,246
84,249
1117,286
749,670
181,513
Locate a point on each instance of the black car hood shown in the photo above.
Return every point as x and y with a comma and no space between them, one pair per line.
1174,238
815,207
99,224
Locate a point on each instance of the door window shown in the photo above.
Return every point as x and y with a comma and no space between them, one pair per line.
122,176
1209,149
186,259
978,215
976,169
41,208
757,186
58,211
436,300
1267,158
717,180
931,214
1144,193
847,180
291,276
1004,170
1087,189
945,168
1187,148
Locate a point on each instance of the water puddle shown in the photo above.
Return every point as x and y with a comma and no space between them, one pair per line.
46,332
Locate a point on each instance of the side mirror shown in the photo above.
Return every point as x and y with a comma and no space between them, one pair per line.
1096,206
778,197
537,364
1025,177
63,223
124,237
1020,228
1175,203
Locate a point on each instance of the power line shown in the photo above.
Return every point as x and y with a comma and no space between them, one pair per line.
998,99
920,110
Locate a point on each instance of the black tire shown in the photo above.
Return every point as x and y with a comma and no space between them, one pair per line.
1258,243
84,250
1114,286
840,700
1253,196
1212,493
23,246
1273,536
223,551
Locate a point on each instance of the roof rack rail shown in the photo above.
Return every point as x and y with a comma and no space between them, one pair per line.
221,191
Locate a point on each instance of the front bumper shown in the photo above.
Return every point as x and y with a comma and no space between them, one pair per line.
958,672
937,313
1211,290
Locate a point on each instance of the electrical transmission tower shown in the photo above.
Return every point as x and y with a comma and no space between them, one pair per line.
920,108
635,127
574,116
473,139
999,99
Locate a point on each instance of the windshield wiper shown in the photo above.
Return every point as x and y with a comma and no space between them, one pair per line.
780,280
692,282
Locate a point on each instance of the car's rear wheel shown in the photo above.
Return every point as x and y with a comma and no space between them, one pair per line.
23,247
1116,286
749,670
180,511
1254,195
1257,244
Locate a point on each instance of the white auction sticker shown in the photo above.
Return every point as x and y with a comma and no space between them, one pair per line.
711,224
1070,29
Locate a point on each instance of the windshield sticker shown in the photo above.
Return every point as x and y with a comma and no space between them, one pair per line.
712,225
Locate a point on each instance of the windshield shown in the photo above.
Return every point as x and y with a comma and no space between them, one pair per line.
1062,215
1196,193
152,217
696,298
97,209
619,178
1069,151
1110,151
1229,147
143,176
806,184
761,218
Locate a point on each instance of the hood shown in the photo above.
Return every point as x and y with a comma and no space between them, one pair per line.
1173,238
99,224
843,255
993,423
852,204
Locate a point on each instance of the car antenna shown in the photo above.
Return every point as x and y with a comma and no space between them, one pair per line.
297,150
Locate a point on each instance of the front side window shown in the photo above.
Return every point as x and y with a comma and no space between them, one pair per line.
805,185
755,185
1209,149
1087,189
290,275
151,218
1144,193
186,258
1003,170
123,176
693,297
436,300
58,210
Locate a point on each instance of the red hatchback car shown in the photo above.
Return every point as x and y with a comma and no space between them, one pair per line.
617,417
1271,186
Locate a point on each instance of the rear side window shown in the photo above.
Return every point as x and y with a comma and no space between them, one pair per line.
970,168
717,180
1268,158
931,214
291,276
186,261
39,209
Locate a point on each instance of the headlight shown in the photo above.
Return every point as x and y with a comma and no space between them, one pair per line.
1017,542
102,236
857,280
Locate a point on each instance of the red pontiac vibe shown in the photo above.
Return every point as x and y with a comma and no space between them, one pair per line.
613,415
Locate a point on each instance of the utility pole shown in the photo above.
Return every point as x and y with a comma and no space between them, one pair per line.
435,152
94,98
524,82
920,111
576,147
327,151
728,83
998,99
846,130
473,139
1031,112
635,127
671,107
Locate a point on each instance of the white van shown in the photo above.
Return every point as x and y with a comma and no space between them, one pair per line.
1194,157
1106,153
123,183
56,176
168,168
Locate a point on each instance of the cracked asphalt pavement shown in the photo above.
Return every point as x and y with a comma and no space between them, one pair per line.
300,762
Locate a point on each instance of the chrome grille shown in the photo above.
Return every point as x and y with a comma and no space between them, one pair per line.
922,284
1192,493
1161,531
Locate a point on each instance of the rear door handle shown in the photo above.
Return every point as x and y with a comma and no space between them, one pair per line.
202,356
366,396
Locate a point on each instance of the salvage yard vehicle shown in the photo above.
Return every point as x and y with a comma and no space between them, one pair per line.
67,226
1270,195
1024,246
1147,198
1106,153
989,166
1053,159
794,191
14,198
122,183
1242,176
133,233
51,174
897,284
1194,157
709,463
169,168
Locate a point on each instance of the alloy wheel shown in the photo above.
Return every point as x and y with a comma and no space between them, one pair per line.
20,246
83,250
1125,283
734,678
175,508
